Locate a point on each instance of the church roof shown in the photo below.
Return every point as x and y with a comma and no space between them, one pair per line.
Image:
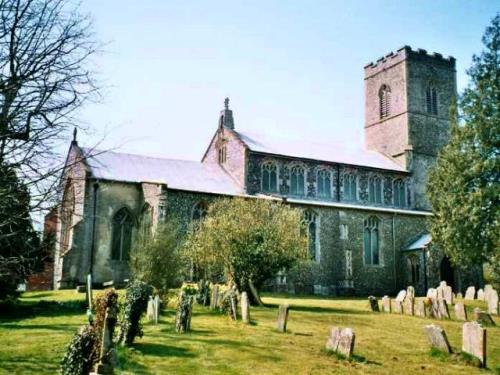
327,152
420,243
176,174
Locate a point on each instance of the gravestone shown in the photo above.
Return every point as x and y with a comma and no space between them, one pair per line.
282,317
157,304
214,298
401,296
184,313
482,317
397,307
460,312
81,288
150,313
373,303
410,292
488,288
448,294
245,308
474,341
493,302
480,295
437,338
409,305
432,293
420,308
443,309
470,293
107,352
341,340
386,304
443,284
459,295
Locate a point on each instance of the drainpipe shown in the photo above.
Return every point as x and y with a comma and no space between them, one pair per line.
394,251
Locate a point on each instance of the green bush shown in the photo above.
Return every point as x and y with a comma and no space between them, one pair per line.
136,303
203,294
81,352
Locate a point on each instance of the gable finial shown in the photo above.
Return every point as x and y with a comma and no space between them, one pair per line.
75,132
226,103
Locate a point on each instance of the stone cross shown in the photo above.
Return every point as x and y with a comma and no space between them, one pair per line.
474,341
282,317
386,304
420,308
245,308
341,340
483,317
437,338
493,302
480,295
214,297
460,312
409,305
373,303
470,293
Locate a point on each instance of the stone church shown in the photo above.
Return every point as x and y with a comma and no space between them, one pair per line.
366,208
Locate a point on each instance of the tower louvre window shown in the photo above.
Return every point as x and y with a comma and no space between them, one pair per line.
269,177
431,100
384,101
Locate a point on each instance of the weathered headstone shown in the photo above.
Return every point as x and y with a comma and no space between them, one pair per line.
437,338
474,341
443,309
432,293
459,295
386,304
409,305
480,295
442,283
397,307
401,296
107,351
448,294
493,302
214,297
470,293
460,312
420,308
373,303
482,317
341,340
410,292
156,313
245,308
488,288
282,317
150,313
184,312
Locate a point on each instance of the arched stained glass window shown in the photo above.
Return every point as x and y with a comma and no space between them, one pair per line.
384,95
269,177
297,180
431,100
122,235
350,187
399,192
375,190
324,183
311,220
371,240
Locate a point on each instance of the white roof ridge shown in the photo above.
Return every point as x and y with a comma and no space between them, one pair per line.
99,151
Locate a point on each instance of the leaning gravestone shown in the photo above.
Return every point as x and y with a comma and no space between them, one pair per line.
493,302
386,304
470,293
341,340
437,338
401,296
373,303
482,317
245,308
410,292
474,341
420,308
443,309
480,295
409,305
460,312
432,293
282,317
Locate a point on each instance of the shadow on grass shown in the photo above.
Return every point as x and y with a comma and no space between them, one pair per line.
48,326
162,350
354,358
318,309
27,309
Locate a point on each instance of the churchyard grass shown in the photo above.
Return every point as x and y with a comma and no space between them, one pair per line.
33,339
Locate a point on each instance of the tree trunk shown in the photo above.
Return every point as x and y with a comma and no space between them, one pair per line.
254,295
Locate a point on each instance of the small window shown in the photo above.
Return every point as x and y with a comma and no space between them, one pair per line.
269,178
371,241
431,100
297,180
384,101
122,235
344,232
199,211
324,184
399,193
311,220
375,190
350,187
414,269
222,154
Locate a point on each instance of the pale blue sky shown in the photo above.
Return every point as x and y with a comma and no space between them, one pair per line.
289,67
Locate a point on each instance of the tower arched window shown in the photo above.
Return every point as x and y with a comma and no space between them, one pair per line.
431,102
399,192
122,234
199,211
311,220
269,177
324,183
371,241
375,190
350,187
384,96
297,180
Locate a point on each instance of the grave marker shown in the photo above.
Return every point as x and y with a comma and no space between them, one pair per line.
373,303
386,304
480,295
493,302
470,293
437,338
420,308
482,317
460,312
474,341
341,340
245,308
282,317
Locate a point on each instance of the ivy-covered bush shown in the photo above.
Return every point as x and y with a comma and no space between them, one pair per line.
203,295
136,303
109,299
81,352
184,312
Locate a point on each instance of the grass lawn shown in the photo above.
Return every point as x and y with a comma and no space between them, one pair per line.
33,339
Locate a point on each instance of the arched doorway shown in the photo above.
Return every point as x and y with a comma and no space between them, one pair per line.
448,272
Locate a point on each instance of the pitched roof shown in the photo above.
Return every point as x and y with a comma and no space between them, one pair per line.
420,243
176,174
334,153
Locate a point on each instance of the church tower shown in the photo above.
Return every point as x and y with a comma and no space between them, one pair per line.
407,100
